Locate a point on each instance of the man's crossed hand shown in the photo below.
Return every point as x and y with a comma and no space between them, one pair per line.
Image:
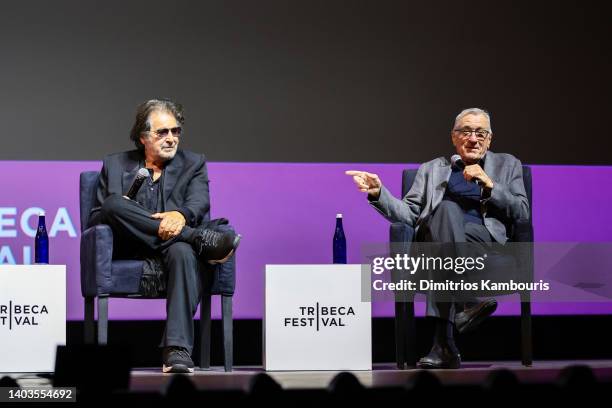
172,222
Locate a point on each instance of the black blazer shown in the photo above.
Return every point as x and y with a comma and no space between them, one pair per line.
185,183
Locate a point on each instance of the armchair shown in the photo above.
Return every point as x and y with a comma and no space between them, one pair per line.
103,277
402,235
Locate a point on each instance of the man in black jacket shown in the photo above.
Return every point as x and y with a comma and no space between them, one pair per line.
164,218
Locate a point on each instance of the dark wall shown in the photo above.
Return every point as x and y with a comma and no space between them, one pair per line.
315,81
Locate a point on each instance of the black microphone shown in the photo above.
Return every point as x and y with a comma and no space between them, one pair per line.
140,178
457,161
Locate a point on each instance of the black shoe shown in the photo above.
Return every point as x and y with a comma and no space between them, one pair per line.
471,317
441,357
176,360
216,246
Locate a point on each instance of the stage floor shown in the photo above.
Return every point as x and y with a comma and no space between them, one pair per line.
383,375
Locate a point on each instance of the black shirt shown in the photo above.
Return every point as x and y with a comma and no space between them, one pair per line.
150,194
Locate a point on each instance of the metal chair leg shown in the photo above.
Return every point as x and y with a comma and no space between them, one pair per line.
205,331
526,340
102,319
228,332
411,335
89,320
400,334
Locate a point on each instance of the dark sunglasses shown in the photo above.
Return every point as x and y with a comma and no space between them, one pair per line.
163,132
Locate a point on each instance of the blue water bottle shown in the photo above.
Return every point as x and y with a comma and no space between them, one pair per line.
41,242
339,242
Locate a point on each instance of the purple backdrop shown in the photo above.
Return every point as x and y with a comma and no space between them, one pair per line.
286,213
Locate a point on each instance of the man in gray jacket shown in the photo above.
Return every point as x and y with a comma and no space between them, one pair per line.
474,199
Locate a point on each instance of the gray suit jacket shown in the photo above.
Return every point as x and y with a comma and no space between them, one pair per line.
507,204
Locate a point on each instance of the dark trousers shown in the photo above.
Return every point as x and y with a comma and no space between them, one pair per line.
447,225
135,236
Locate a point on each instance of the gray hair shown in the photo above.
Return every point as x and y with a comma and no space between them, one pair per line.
473,111
141,123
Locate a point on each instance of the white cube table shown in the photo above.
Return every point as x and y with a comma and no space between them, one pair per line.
32,316
314,318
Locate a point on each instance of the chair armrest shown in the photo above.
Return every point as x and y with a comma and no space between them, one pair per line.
523,237
96,259
401,236
222,278
522,232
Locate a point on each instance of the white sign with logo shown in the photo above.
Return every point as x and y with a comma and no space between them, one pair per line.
32,316
315,320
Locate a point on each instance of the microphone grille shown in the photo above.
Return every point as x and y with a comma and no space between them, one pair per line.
456,161
142,173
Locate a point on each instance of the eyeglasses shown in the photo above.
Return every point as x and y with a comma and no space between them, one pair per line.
481,134
164,132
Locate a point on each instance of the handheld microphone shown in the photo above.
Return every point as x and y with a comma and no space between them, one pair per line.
140,178
457,161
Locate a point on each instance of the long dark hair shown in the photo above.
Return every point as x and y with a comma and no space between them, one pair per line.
141,123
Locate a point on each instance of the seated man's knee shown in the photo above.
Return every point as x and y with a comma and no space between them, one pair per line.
449,207
111,205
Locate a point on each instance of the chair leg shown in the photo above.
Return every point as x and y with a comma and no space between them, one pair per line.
400,334
526,340
411,338
228,332
205,331
89,320
102,320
